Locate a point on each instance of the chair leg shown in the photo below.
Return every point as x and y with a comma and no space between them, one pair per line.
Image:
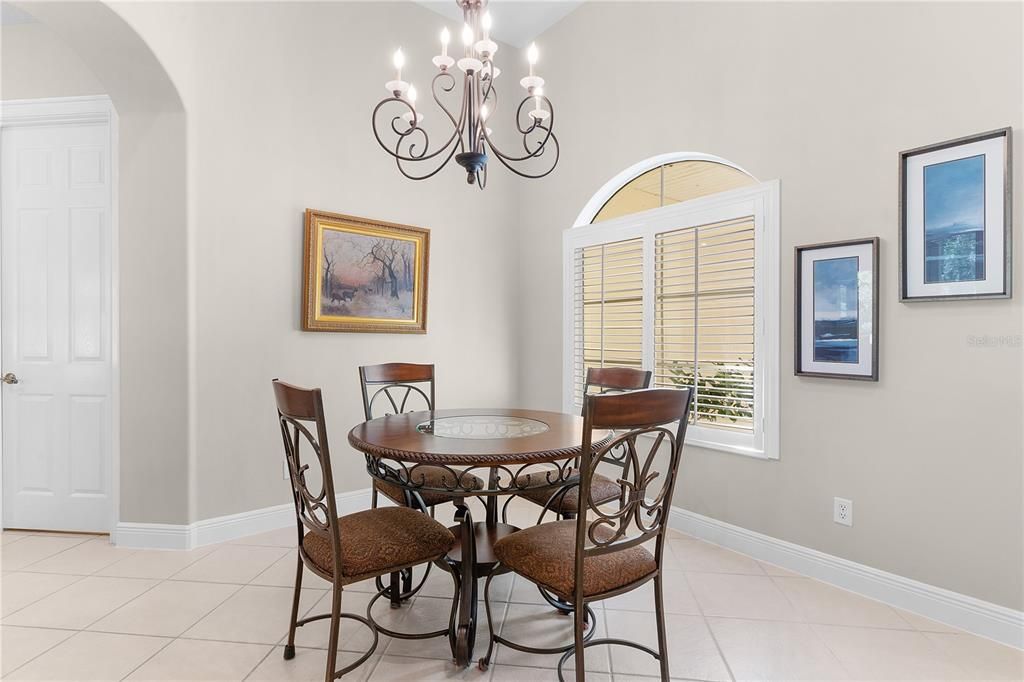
332,640
289,648
373,497
407,577
659,614
396,591
579,618
484,662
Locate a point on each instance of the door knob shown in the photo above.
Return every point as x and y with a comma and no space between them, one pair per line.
9,378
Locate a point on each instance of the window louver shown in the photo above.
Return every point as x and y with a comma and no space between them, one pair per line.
608,309
704,319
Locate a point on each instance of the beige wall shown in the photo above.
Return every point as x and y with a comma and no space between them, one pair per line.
274,102
36,62
821,97
83,48
278,117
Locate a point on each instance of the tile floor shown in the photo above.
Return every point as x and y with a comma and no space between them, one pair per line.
75,608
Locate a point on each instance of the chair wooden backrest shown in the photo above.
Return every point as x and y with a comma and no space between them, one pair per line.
393,385
649,423
610,380
300,412
615,380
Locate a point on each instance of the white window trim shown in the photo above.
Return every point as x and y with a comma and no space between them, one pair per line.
761,201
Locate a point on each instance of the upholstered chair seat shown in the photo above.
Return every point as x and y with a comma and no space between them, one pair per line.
398,388
545,554
345,549
603,552
603,381
380,540
602,491
432,477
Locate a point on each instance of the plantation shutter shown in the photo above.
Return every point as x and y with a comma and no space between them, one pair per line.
704,319
608,309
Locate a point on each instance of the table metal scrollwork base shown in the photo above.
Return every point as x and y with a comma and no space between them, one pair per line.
511,450
472,557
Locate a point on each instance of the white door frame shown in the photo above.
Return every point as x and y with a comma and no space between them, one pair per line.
70,111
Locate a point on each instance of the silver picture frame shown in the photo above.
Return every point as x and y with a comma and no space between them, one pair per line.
866,326
1000,287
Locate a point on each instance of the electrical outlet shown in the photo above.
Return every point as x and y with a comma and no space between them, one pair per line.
842,511
284,471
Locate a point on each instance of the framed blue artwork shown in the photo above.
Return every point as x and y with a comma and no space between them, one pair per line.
837,310
955,227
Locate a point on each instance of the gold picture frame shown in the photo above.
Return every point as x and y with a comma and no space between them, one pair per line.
362,275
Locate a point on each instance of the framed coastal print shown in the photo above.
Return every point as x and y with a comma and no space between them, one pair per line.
363,275
955,226
837,310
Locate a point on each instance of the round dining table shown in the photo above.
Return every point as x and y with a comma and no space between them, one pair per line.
473,452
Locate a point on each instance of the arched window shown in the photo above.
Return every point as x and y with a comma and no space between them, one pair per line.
673,267
673,183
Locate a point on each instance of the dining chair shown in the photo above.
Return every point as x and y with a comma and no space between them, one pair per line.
564,502
397,388
602,553
348,549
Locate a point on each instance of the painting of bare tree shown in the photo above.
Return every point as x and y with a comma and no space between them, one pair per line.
363,275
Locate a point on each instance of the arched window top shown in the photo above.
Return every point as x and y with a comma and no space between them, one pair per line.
661,181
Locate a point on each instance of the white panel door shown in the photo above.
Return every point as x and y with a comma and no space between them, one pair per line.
56,326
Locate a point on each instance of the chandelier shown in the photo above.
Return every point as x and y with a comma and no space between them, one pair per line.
397,123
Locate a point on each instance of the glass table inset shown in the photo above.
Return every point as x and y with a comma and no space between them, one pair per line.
482,427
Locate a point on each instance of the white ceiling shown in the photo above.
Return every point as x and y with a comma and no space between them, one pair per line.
516,23
9,14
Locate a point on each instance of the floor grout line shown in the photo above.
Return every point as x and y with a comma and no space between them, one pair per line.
607,649
259,663
68,586
80,579
48,556
150,658
503,608
711,632
152,587
17,538
835,656
222,546
55,645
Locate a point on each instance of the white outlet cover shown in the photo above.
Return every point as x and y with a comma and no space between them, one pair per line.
842,511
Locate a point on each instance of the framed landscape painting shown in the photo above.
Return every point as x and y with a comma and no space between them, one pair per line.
364,275
837,310
955,226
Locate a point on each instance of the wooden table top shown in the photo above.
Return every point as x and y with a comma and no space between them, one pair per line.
482,437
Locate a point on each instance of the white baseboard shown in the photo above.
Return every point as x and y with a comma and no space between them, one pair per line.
224,528
152,536
973,615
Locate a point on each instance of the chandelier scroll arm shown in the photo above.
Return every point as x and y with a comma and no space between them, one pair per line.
456,123
507,163
402,135
453,148
547,128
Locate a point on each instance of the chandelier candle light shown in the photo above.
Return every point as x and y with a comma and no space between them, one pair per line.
469,140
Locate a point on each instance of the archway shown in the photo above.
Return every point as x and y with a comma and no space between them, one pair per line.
152,353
